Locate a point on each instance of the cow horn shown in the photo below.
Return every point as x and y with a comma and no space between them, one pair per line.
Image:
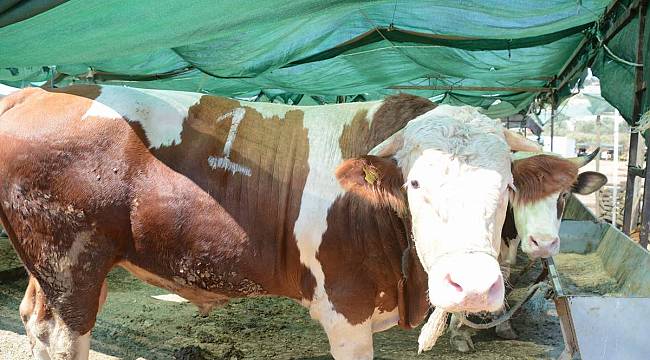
585,159
389,146
520,143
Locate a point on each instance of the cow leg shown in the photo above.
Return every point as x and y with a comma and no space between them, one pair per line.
50,335
33,313
347,341
460,335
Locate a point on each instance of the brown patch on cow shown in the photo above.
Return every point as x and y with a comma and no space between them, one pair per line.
364,222
359,137
265,204
87,91
539,176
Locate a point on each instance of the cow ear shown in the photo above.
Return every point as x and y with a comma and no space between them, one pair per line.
588,182
374,179
390,146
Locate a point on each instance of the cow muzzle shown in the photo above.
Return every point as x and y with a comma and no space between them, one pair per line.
468,283
543,246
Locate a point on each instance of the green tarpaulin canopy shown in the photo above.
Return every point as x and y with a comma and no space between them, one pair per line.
301,50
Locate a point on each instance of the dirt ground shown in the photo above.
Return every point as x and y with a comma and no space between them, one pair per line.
134,325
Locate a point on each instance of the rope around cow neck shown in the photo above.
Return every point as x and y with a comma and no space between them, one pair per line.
505,316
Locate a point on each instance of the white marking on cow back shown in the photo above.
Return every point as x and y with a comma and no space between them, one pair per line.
170,298
100,110
224,162
160,113
269,110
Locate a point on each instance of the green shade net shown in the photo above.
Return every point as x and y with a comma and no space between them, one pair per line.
295,51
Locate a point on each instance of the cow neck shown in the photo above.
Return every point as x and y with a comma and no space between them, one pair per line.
412,303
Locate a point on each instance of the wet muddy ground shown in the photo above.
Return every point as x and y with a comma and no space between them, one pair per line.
133,324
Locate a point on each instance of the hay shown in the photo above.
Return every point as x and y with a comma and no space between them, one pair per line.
585,275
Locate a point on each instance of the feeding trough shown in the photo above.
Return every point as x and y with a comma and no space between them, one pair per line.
601,283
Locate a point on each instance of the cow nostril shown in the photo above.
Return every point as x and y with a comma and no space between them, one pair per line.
496,288
532,240
453,284
555,242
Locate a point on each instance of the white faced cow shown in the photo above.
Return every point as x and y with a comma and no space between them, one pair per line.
214,198
544,183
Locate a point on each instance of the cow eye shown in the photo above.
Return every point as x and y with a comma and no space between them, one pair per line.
415,184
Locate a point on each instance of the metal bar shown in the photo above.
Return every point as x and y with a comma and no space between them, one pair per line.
632,184
598,211
645,214
471,88
617,117
637,109
552,123
564,312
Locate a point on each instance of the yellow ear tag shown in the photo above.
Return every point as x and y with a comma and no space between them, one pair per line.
371,174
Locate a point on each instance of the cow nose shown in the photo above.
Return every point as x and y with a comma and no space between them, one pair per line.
473,295
544,246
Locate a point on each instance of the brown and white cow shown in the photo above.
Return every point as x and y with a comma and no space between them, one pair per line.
544,183
214,198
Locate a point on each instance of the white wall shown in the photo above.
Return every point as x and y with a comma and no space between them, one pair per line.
561,145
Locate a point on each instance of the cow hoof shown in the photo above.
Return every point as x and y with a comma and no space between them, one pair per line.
507,333
462,343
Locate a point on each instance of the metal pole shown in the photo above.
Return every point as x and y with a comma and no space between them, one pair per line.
535,89
552,124
598,164
615,187
639,96
633,184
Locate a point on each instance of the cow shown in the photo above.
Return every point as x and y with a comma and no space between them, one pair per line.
544,183
214,198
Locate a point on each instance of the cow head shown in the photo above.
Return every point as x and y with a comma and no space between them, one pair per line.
456,164
544,182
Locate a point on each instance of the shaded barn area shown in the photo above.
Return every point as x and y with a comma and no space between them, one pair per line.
509,58
133,324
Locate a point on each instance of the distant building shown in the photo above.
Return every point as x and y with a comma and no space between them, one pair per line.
562,145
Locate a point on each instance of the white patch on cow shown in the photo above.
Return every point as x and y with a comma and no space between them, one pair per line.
269,110
539,220
224,162
161,113
237,116
384,320
382,294
170,298
372,110
53,336
325,125
100,110
347,341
